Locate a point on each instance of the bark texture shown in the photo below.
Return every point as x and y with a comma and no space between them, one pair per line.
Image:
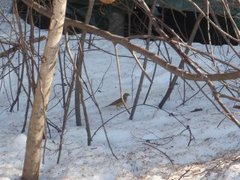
41,99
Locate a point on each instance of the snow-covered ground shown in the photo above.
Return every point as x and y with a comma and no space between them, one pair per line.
178,142
6,6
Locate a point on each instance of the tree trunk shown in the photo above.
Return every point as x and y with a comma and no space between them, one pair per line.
41,99
116,23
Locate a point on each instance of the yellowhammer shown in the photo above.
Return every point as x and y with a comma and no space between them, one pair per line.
119,102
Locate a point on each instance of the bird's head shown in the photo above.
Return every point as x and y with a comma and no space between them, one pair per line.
125,95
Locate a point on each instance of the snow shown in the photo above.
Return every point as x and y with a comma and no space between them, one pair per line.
5,6
201,145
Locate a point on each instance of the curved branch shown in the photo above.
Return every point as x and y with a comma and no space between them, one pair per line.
124,42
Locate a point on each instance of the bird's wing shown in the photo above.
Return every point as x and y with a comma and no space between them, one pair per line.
115,102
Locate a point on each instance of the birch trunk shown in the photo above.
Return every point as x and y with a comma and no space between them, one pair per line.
41,99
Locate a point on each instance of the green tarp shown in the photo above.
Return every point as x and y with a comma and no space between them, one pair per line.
216,5
79,7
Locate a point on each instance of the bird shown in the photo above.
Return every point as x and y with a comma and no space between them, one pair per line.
119,102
